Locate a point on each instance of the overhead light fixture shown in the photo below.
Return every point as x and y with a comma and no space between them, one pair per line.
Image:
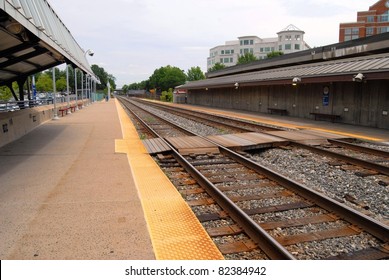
14,27
90,52
359,78
236,85
296,80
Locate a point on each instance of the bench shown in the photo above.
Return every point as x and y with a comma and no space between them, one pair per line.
331,117
72,109
276,110
79,105
62,110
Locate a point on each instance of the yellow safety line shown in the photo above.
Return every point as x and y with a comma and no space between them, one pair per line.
175,232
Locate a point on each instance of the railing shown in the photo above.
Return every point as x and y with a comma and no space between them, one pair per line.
10,106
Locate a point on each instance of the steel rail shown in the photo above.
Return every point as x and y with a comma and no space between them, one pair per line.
186,131
374,227
265,241
359,148
195,113
364,163
370,225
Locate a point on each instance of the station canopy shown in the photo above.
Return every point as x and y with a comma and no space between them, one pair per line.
33,39
373,67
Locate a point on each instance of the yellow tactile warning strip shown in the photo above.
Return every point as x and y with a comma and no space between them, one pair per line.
175,232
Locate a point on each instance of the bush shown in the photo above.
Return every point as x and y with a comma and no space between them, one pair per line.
167,96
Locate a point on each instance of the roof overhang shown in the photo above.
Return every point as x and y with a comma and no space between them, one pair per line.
33,39
374,67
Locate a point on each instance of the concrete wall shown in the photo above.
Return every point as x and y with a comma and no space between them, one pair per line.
14,125
365,104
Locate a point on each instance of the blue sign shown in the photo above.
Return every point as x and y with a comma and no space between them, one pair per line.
34,91
326,96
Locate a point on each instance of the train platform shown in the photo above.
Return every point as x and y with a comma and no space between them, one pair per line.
346,130
83,187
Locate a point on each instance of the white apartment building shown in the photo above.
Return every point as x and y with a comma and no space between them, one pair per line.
289,40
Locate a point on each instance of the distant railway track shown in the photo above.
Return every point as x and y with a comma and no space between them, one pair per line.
254,212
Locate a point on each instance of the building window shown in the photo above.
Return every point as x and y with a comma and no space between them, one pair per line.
246,42
244,51
370,18
288,46
355,31
383,29
384,17
288,37
231,60
297,46
369,31
221,60
267,49
297,37
222,52
280,47
351,33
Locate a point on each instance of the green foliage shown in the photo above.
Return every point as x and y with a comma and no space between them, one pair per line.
167,96
45,82
61,84
247,58
195,74
217,66
103,77
274,54
5,93
167,77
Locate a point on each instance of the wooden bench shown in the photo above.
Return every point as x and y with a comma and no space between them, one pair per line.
331,117
276,110
62,110
79,105
72,108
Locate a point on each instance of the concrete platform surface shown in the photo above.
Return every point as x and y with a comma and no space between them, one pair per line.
66,194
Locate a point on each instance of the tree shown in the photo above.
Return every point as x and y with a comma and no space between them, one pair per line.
44,82
195,74
247,58
125,89
60,84
102,75
5,93
167,77
274,54
217,66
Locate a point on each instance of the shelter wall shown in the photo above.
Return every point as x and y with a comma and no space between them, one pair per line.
357,103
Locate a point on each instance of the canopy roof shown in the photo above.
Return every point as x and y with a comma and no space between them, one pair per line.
32,39
372,67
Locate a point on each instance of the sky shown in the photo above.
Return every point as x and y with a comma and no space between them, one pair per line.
132,38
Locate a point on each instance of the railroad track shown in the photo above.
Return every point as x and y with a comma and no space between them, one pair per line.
231,124
254,212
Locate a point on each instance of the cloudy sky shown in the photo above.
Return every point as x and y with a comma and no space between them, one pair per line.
132,38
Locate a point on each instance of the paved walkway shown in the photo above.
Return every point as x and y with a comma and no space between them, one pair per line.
66,194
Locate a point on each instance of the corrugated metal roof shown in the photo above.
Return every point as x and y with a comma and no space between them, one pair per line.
365,64
33,38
